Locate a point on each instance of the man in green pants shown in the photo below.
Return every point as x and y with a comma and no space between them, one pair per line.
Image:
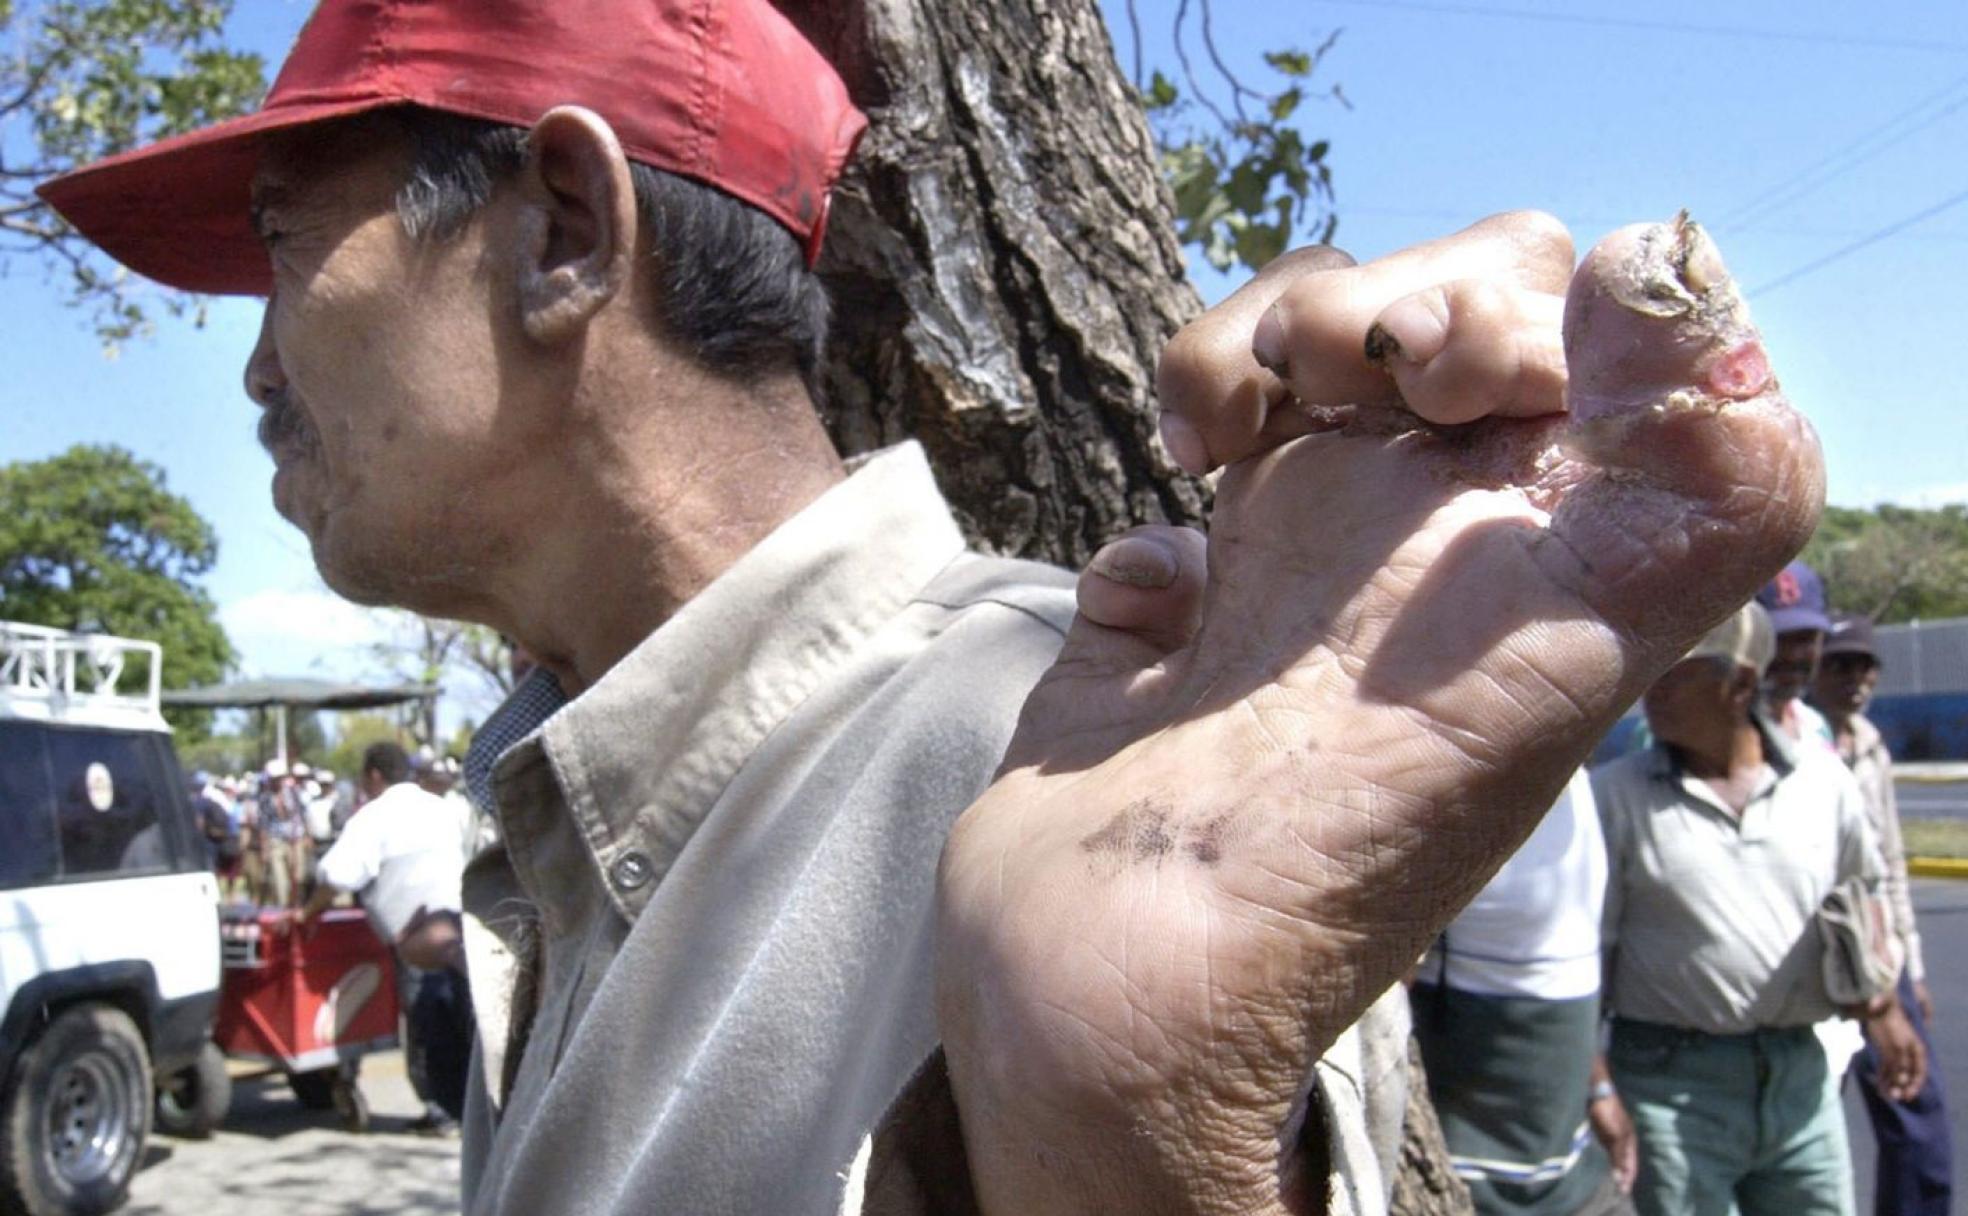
1722,840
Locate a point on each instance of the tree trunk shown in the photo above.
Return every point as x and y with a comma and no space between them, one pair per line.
1004,270
1003,267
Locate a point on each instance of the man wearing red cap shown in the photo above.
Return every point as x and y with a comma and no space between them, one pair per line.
539,351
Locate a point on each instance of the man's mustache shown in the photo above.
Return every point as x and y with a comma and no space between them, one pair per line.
284,427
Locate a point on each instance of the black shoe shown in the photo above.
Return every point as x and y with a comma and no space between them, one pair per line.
434,1123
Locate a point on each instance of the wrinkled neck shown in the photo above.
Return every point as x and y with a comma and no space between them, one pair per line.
650,509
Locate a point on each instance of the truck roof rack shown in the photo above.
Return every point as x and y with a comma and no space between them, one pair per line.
55,675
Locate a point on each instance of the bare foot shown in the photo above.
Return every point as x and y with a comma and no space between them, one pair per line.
1207,854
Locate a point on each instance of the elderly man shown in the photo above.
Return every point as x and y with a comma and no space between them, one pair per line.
1915,1174
540,344
1723,839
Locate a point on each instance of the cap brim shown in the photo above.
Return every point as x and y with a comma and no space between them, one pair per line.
180,210
1833,646
1798,620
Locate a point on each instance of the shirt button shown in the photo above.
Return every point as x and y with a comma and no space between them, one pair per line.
631,870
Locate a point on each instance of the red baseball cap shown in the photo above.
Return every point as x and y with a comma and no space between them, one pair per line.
726,92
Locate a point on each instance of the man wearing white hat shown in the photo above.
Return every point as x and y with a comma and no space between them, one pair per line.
1723,840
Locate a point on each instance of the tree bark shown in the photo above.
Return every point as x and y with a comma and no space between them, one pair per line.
1003,267
1004,270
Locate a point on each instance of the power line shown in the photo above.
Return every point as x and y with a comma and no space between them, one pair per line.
1669,27
1852,155
1595,221
1871,238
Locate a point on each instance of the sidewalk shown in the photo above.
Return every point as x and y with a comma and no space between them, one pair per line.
274,1158
1931,772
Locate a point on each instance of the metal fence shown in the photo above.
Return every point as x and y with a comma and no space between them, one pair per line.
1922,657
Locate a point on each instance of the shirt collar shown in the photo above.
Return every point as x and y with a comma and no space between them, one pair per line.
1779,749
532,701
641,756
1779,761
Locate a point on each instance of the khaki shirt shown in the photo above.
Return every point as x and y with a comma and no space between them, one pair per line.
1872,766
1709,921
702,954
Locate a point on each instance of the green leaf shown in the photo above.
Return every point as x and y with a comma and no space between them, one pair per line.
1161,92
1218,250
1193,177
1285,103
1216,210
1318,150
1259,243
1247,187
1291,62
1297,180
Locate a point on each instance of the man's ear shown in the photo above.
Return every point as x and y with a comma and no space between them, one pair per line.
1745,685
577,226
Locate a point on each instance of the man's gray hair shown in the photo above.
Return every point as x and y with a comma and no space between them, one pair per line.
733,287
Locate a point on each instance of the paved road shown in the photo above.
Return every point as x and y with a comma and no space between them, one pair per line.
1942,908
1920,800
274,1157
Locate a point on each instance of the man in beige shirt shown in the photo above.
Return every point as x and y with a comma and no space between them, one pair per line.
541,347
1915,1171
1723,839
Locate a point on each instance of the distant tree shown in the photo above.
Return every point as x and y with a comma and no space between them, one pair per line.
353,735
426,650
249,745
461,740
222,753
307,735
93,539
87,78
487,656
1894,563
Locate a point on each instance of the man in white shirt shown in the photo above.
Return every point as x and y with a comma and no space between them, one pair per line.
1506,1009
403,854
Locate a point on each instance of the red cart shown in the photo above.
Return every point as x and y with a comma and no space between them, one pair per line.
310,1002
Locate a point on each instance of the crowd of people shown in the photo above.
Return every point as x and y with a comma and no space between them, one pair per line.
394,838
264,829
1649,1007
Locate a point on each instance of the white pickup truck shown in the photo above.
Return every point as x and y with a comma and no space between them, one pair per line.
109,937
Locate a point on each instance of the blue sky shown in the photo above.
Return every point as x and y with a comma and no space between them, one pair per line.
1793,129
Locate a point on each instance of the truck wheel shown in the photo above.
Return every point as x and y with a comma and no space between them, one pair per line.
192,1102
74,1117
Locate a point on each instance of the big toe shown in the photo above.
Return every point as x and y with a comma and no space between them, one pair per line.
1704,480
